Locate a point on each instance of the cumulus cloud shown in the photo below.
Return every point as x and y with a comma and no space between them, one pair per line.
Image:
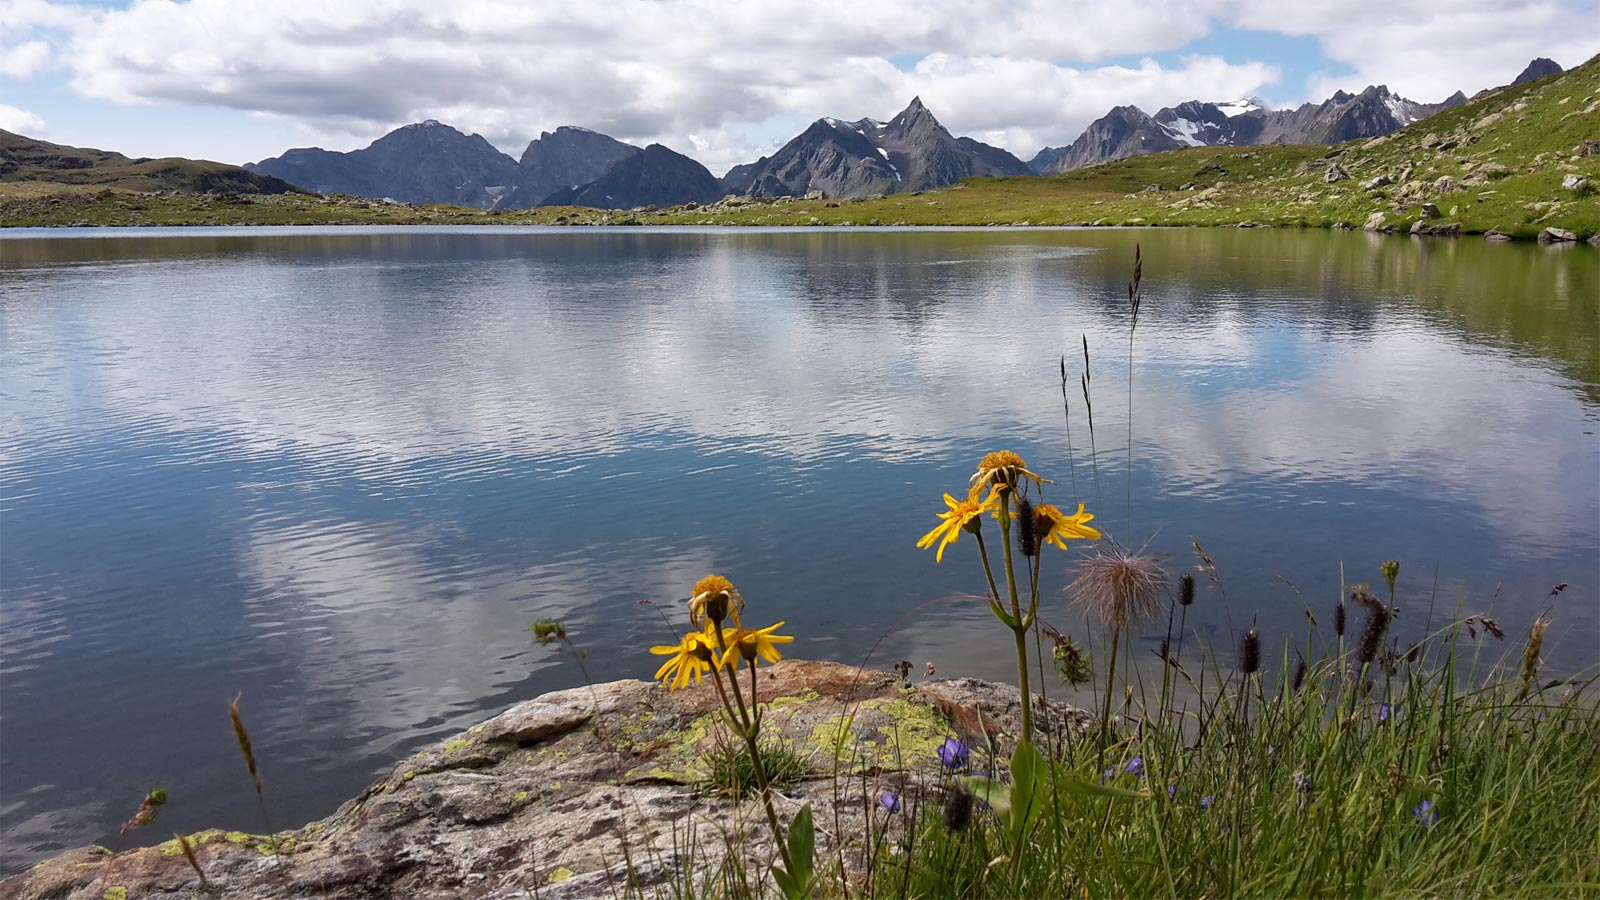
23,60
726,82
20,121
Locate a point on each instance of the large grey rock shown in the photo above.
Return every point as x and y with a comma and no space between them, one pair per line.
1574,182
1375,182
553,796
1374,222
1556,235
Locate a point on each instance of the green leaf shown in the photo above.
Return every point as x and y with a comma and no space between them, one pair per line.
802,844
787,884
1090,789
991,792
1028,773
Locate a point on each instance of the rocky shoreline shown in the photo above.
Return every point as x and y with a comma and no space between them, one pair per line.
555,796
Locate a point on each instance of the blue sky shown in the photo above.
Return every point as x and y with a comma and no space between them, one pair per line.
238,80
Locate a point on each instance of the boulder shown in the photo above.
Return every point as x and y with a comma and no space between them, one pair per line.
1553,235
813,195
1444,184
559,791
1374,222
1430,211
1375,182
1334,174
1574,182
1495,237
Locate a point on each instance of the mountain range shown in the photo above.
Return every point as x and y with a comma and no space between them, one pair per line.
430,162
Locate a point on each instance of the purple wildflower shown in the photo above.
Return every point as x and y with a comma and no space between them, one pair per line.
1172,791
1135,767
891,801
1207,800
1425,814
953,754
1385,711
1108,774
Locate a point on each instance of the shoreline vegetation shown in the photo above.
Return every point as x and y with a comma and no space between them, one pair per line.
1518,163
1355,757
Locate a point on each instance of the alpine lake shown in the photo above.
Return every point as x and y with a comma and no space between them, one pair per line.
342,471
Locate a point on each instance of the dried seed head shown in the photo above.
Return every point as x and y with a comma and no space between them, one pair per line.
1338,620
1250,652
244,741
1027,529
1186,589
1299,677
1372,633
194,863
1530,657
1118,587
957,812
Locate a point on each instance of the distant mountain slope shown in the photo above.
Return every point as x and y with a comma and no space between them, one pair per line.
655,176
1128,131
428,162
850,160
25,159
568,157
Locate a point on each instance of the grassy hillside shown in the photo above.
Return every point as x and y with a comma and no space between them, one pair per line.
1497,162
31,167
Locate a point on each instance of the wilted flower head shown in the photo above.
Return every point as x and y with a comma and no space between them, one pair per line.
1055,527
953,753
714,598
1118,587
1425,814
1004,470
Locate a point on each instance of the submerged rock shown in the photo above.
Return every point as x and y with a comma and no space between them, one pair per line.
557,794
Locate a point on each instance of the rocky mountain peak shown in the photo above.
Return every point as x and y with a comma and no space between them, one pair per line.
1538,68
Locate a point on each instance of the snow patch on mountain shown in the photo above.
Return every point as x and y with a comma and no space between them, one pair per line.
1231,108
1186,132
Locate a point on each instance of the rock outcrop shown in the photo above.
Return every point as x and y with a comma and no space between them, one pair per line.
428,162
655,177
556,795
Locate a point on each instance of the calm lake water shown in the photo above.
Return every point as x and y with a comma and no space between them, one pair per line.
343,470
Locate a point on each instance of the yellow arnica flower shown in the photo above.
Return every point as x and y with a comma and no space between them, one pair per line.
960,513
1055,527
714,597
1003,469
748,644
691,658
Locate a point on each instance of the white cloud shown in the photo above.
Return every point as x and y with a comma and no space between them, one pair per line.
20,121
704,76
25,59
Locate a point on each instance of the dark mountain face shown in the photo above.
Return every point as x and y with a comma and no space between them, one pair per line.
423,163
910,152
565,158
1539,68
654,176
1126,131
738,179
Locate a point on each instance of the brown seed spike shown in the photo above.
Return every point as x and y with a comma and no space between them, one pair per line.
1250,652
194,863
244,741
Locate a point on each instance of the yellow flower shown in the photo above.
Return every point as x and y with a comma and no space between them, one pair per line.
714,598
1056,528
750,643
961,512
1003,469
691,658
